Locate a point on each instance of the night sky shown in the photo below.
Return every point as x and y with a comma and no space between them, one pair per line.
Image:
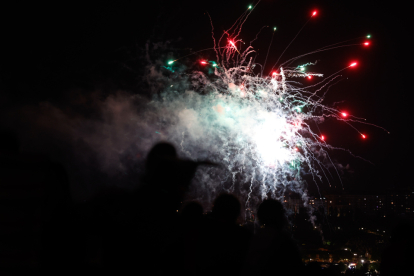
52,52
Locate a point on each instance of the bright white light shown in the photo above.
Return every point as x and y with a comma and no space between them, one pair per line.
267,139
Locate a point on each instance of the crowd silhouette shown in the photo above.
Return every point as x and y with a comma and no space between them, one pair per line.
144,232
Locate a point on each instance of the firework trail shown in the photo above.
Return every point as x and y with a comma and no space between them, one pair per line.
257,127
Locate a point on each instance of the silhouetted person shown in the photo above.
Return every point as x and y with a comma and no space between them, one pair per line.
272,250
166,177
34,195
192,213
226,209
142,240
63,239
398,255
226,241
186,253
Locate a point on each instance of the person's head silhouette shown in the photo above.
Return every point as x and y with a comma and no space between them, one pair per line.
226,208
271,213
165,169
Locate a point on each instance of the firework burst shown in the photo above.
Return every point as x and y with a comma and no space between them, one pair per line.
257,126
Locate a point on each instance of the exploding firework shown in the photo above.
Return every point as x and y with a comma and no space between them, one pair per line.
256,126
